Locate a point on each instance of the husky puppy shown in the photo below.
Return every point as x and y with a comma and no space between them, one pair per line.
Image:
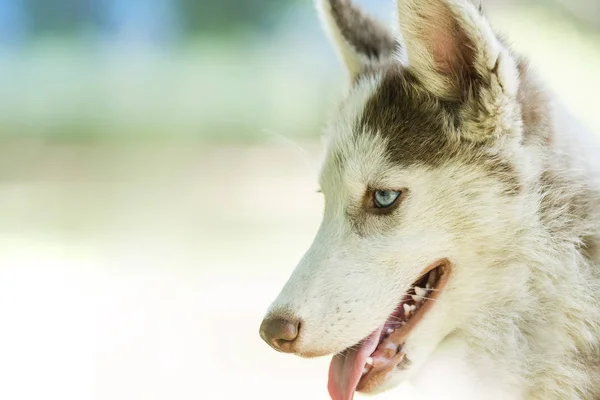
460,244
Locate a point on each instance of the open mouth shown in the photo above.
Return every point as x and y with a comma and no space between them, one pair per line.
368,364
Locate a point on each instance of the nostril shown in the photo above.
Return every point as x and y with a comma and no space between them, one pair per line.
280,333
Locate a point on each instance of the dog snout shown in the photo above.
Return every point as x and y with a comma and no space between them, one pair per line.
280,332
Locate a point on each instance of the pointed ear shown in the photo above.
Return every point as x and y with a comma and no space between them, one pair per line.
360,39
452,49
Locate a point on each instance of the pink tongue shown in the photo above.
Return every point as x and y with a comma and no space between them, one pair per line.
346,368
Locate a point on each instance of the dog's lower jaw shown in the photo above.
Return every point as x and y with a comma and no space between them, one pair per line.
391,382
383,352
453,372
417,357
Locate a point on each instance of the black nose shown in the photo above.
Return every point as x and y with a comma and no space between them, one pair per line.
280,332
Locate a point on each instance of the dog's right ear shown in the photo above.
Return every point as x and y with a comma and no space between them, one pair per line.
360,39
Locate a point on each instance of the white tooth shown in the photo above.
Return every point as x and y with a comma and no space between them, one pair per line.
416,298
413,307
369,361
365,370
389,331
389,346
420,291
406,309
427,285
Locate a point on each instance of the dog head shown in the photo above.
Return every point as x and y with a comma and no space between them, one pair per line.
422,181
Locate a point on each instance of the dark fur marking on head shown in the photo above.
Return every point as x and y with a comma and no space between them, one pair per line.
504,172
410,119
417,126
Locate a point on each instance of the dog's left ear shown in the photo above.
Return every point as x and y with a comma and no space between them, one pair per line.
360,39
452,48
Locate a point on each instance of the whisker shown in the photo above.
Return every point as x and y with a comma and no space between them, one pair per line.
411,290
393,317
296,147
430,298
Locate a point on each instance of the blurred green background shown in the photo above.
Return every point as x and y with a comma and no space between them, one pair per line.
227,71
158,164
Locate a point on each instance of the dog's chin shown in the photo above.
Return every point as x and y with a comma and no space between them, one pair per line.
384,383
379,362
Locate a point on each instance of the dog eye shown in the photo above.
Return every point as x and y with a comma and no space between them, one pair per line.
385,198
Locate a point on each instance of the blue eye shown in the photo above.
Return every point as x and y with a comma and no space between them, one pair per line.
385,198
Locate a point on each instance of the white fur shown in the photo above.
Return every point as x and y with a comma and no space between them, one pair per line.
522,305
459,376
